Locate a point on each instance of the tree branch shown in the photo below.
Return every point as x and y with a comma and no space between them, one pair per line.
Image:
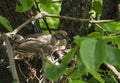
44,14
11,58
113,69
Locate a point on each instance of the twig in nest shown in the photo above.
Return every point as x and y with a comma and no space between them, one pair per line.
113,69
42,55
32,71
11,58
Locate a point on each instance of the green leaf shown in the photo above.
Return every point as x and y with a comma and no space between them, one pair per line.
113,39
24,5
97,6
87,51
113,55
5,23
78,39
53,72
97,76
66,60
74,75
76,81
100,52
94,35
80,65
111,27
46,3
93,80
93,52
111,79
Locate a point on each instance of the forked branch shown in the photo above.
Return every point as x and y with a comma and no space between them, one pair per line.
44,14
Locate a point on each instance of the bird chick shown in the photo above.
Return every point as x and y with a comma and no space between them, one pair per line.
43,38
18,38
47,42
60,40
33,47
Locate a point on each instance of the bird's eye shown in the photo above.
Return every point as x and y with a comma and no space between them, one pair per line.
15,38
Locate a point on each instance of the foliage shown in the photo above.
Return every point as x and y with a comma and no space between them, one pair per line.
59,69
23,6
94,51
52,8
97,6
5,23
91,51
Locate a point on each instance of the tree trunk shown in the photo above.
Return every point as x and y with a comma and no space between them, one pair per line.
7,9
111,9
78,9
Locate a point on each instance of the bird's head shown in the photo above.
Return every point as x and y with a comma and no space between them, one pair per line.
61,35
18,38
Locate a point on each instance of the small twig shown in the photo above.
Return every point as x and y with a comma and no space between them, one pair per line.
45,21
22,72
102,28
42,55
66,17
11,58
32,70
113,69
101,21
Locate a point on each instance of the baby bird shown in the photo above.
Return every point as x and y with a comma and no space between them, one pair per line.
60,40
47,42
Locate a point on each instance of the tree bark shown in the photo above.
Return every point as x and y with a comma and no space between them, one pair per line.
7,10
111,9
78,9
